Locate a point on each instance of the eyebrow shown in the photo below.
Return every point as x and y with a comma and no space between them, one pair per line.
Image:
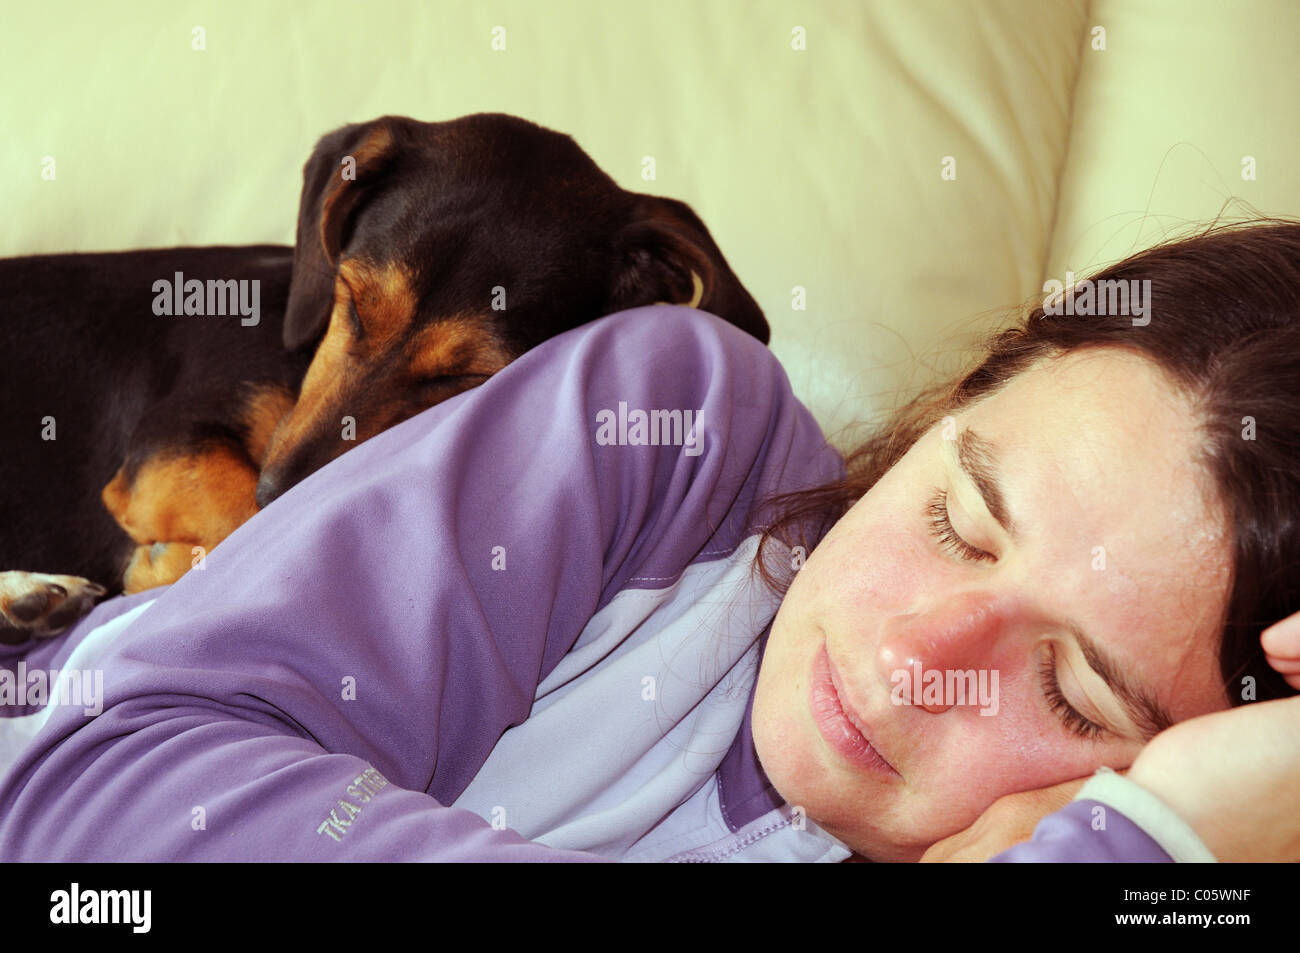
1142,708
978,460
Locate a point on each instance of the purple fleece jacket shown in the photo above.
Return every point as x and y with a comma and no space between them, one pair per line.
230,693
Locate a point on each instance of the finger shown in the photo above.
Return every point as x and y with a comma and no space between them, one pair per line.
1289,669
937,854
1287,666
1282,639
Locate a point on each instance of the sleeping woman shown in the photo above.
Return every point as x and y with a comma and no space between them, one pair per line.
623,601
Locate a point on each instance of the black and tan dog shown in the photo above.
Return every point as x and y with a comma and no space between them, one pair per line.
136,434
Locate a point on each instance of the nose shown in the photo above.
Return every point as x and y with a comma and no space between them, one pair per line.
278,477
269,486
283,471
959,634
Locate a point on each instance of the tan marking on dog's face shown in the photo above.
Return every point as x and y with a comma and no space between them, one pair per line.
385,304
331,371
384,297
462,345
386,373
263,411
198,498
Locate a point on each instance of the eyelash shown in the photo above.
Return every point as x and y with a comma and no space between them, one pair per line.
354,316
1074,721
454,380
942,530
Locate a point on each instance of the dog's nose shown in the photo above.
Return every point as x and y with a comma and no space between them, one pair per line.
282,474
269,486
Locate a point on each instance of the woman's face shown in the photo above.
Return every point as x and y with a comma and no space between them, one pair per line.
943,648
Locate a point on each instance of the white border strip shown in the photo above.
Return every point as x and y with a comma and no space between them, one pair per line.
1148,812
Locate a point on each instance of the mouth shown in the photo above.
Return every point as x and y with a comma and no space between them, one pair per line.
840,728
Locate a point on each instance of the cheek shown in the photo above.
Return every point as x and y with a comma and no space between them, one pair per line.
969,759
876,561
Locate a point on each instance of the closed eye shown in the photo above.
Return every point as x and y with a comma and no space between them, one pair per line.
354,318
1069,715
455,382
941,528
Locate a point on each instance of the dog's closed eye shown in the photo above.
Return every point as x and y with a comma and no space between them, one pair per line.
354,319
451,382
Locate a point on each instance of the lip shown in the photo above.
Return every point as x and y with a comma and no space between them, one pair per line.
840,728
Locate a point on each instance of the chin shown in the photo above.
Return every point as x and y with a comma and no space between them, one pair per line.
787,747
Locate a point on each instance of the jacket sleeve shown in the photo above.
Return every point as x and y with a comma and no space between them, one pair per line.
1111,820
344,663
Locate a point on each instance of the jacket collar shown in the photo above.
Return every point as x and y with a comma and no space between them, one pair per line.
744,791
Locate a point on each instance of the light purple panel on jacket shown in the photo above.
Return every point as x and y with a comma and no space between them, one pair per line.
1069,836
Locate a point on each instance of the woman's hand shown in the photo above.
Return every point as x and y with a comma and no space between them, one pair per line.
1233,775
1008,821
1281,644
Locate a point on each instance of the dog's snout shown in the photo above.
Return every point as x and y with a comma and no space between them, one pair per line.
269,486
285,471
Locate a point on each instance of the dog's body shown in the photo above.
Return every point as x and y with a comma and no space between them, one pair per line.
428,256
93,385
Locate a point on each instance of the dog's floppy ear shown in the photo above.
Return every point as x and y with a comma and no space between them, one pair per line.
665,254
346,166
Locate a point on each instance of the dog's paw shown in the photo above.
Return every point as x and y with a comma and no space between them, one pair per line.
44,604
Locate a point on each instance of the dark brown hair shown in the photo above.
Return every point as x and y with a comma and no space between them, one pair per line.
1224,325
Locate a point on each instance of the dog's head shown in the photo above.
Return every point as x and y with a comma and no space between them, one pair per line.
430,255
